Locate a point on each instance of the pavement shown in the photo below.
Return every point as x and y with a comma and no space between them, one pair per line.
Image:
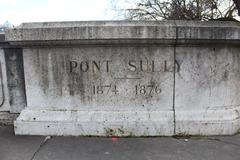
113,148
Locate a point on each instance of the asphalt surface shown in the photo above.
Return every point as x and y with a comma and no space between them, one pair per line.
95,148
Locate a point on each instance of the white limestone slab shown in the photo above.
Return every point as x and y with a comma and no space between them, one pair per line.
65,64
130,88
207,90
94,123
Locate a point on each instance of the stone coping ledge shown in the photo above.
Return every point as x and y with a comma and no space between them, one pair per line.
99,32
205,122
68,24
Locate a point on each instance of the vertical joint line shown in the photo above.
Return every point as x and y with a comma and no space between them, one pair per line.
174,79
24,82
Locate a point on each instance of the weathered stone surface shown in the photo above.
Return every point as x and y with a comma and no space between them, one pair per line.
127,89
85,78
15,78
107,77
4,98
207,90
12,87
102,32
207,31
98,30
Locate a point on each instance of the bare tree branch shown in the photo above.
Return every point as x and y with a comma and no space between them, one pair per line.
183,9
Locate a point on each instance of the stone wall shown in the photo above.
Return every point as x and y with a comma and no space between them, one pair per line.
12,92
125,78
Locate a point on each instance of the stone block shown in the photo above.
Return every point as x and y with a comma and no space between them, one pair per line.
207,90
129,78
117,88
15,79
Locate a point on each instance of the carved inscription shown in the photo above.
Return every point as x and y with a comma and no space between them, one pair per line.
104,89
89,66
147,89
135,67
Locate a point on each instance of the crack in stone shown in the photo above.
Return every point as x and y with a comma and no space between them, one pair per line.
206,138
44,142
222,141
174,78
210,139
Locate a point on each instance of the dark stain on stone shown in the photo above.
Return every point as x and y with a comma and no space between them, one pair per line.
75,82
57,70
15,77
115,132
42,63
225,75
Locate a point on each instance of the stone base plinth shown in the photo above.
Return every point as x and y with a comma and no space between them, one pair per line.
94,123
223,121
